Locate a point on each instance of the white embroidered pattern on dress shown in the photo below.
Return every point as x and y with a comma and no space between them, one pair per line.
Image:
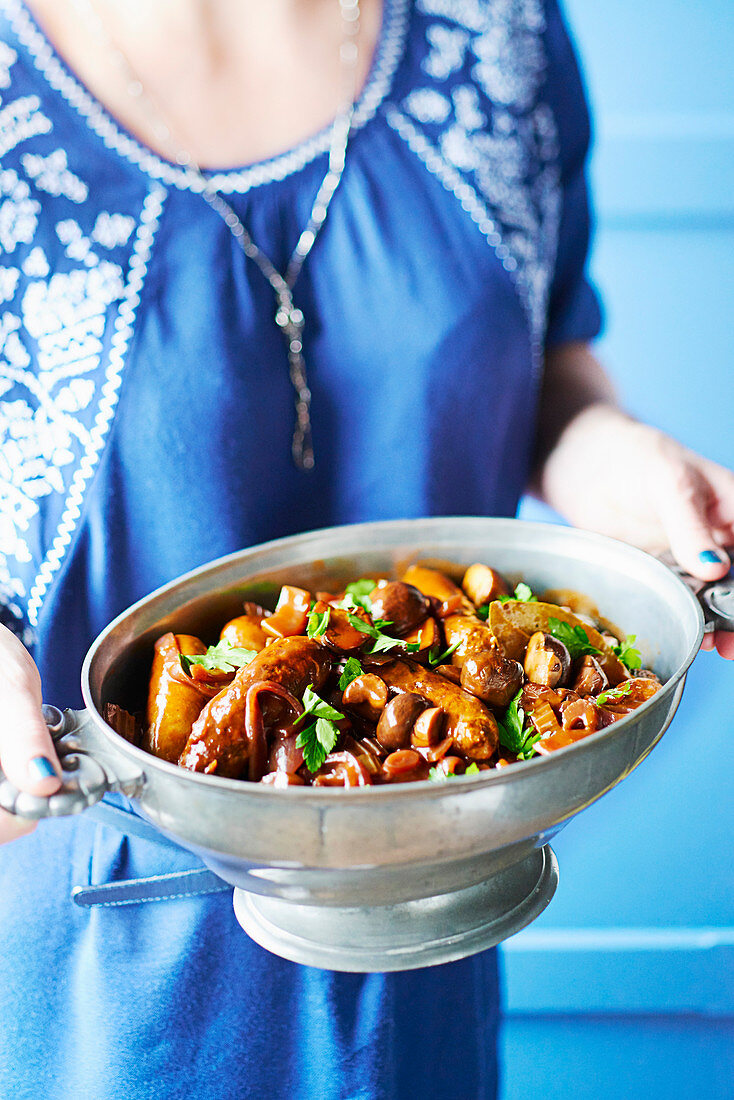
478,124
64,333
107,397
52,174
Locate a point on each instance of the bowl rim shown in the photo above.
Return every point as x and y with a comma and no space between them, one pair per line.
454,785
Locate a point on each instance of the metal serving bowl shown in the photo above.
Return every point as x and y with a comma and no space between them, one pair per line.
398,876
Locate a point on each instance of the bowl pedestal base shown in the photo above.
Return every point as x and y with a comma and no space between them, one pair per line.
407,935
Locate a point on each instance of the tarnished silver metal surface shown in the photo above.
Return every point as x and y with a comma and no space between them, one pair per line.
408,935
716,597
395,844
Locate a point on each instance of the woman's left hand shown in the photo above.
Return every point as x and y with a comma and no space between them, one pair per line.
611,474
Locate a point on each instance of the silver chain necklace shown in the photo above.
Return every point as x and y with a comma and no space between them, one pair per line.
288,317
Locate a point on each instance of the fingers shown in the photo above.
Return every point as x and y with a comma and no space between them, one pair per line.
725,644
27,753
11,827
684,498
722,641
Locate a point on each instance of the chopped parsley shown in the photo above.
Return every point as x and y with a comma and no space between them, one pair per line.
435,659
319,737
222,657
317,623
528,749
438,775
523,594
381,641
613,694
359,593
575,638
627,653
511,727
352,669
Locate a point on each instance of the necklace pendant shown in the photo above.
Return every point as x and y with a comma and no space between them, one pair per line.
290,320
302,444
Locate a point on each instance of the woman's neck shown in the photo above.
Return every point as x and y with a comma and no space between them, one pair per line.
237,81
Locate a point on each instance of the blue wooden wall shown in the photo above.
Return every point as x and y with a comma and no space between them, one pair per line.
625,986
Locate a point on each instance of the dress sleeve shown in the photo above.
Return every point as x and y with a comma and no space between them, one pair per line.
574,311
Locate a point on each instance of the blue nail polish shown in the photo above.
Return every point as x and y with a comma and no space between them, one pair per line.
710,557
40,767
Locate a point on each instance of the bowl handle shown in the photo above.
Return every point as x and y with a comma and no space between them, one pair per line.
90,767
716,597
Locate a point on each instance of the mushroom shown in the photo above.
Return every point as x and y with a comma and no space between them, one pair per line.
428,727
644,674
482,584
342,769
367,694
491,677
340,633
547,661
582,714
402,605
532,693
396,721
591,678
402,765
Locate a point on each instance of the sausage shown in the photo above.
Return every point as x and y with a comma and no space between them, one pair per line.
173,704
463,626
472,727
218,740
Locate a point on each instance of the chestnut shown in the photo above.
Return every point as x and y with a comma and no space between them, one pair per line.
547,660
245,632
482,584
396,721
400,604
491,677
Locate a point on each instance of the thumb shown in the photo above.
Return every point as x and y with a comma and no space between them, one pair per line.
27,753
683,497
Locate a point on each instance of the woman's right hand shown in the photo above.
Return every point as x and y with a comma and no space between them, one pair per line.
27,754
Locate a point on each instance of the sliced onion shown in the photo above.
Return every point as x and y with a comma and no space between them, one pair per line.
255,724
285,756
342,769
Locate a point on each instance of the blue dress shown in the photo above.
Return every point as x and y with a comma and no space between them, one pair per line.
145,425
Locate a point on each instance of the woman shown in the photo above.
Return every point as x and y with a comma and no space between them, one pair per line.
148,427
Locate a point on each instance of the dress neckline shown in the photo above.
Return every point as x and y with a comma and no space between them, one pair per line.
386,59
